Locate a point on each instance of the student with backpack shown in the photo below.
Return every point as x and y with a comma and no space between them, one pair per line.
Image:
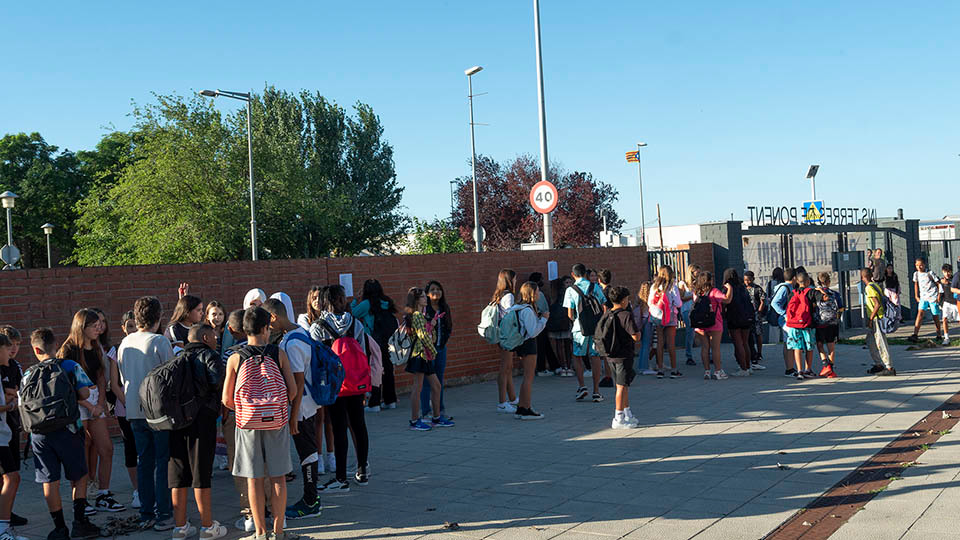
9,463
422,351
760,306
83,347
379,315
187,312
664,303
740,316
604,279
616,335
49,393
929,295
876,340
192,448
686,295
779,300
801,334
584,302
519,329
11,375
298,346
547,364
437,313
139,353
707,318
949,305
259,388
559,326
829,311
503,300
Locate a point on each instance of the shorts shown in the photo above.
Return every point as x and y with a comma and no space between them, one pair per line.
828,334
261,453
527,348
622,371
14,448
560,335
583,345
801,339
932,307
93,400
305,441
8,463
191,452
417,364
950,312
59,448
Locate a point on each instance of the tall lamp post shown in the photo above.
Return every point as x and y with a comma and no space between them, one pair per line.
9,254
643,220
243,96
48,230
547,218
477,230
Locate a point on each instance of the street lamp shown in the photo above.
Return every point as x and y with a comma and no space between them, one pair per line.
243,96
9,254
643,220
547,219
48,230
477,234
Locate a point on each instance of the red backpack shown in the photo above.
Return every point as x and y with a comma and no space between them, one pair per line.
799,310
260,396
356,366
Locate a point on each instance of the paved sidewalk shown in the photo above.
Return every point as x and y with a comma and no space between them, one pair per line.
704,464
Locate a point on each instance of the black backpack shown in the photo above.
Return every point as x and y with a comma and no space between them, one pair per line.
48,398
610,338
589,310
702,314
384,325
740,312
169,395
559,321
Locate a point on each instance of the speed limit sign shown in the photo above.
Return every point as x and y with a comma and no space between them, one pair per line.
543,197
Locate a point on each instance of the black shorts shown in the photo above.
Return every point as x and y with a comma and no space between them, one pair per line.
14,448
417,364
305,440
191,452
828,334
8,463
623,372
527,348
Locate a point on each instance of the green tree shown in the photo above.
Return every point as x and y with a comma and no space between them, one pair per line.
49,183
437,236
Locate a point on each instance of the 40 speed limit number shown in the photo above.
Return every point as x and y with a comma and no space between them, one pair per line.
543,197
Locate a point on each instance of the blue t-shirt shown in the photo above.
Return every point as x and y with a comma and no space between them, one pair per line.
571,299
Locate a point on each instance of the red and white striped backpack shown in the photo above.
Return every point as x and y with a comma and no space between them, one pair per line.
260,396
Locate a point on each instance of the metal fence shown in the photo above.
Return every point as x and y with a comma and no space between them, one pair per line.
939,252
678,259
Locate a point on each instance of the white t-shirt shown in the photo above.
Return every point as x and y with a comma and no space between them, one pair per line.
929,288
673,303
506,302
299,355
140,352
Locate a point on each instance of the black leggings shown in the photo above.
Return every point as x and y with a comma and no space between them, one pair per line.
348,407
387,391
129,447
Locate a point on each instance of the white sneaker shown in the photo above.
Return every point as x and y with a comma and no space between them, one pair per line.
214,531
182,533
740,373
706,376
507,407
559,372
11,534
135,501
720,375
246,524
758,367
649,372
946,340
374,409
588,373
622,422
389,405
516,401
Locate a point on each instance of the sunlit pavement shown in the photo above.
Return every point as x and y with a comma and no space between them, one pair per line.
704,463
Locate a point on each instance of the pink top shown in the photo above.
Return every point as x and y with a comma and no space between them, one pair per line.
716,302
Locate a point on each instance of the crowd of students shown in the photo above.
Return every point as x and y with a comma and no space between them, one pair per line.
583,326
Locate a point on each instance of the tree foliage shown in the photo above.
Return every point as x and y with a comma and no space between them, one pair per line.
503,193
49,183
436,236
175,188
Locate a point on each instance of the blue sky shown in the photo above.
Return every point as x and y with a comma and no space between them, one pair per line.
734,99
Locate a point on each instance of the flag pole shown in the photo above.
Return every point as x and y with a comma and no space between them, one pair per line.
643,219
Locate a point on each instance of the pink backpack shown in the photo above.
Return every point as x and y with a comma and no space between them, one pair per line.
376,361
356,366
260,395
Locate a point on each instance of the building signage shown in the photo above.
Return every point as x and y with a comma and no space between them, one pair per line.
792,215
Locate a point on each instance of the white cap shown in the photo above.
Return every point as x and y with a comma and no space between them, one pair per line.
287,303
252,295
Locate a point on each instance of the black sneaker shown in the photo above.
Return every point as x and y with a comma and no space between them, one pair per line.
597,398
60,533
675,374
524,413
84,529
361,476
875,369
792,373
17,521
335,486
107,503
887,373
582,393
607,382
913,339
659,374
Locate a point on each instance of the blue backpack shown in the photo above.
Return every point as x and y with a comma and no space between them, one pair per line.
326,371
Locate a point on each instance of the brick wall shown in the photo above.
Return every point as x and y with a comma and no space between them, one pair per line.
42,297
702,254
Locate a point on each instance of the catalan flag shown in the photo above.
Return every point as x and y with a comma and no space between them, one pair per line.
633,157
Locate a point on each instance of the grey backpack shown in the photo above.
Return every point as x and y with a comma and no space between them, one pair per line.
48,398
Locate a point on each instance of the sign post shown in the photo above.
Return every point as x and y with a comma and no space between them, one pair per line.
544,197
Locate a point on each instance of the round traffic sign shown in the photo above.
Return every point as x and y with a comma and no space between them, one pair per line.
543,197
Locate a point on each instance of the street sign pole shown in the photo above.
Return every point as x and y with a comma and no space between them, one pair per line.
547,222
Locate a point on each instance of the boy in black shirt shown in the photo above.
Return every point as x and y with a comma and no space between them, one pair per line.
621,357
10,375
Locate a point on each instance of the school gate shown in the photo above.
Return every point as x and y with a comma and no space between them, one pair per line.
761,248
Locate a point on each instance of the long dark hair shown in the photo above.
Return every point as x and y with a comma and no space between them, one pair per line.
447,322
373,293
732,277
414,294
105,336
73,346
333,299
183,308
778,274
